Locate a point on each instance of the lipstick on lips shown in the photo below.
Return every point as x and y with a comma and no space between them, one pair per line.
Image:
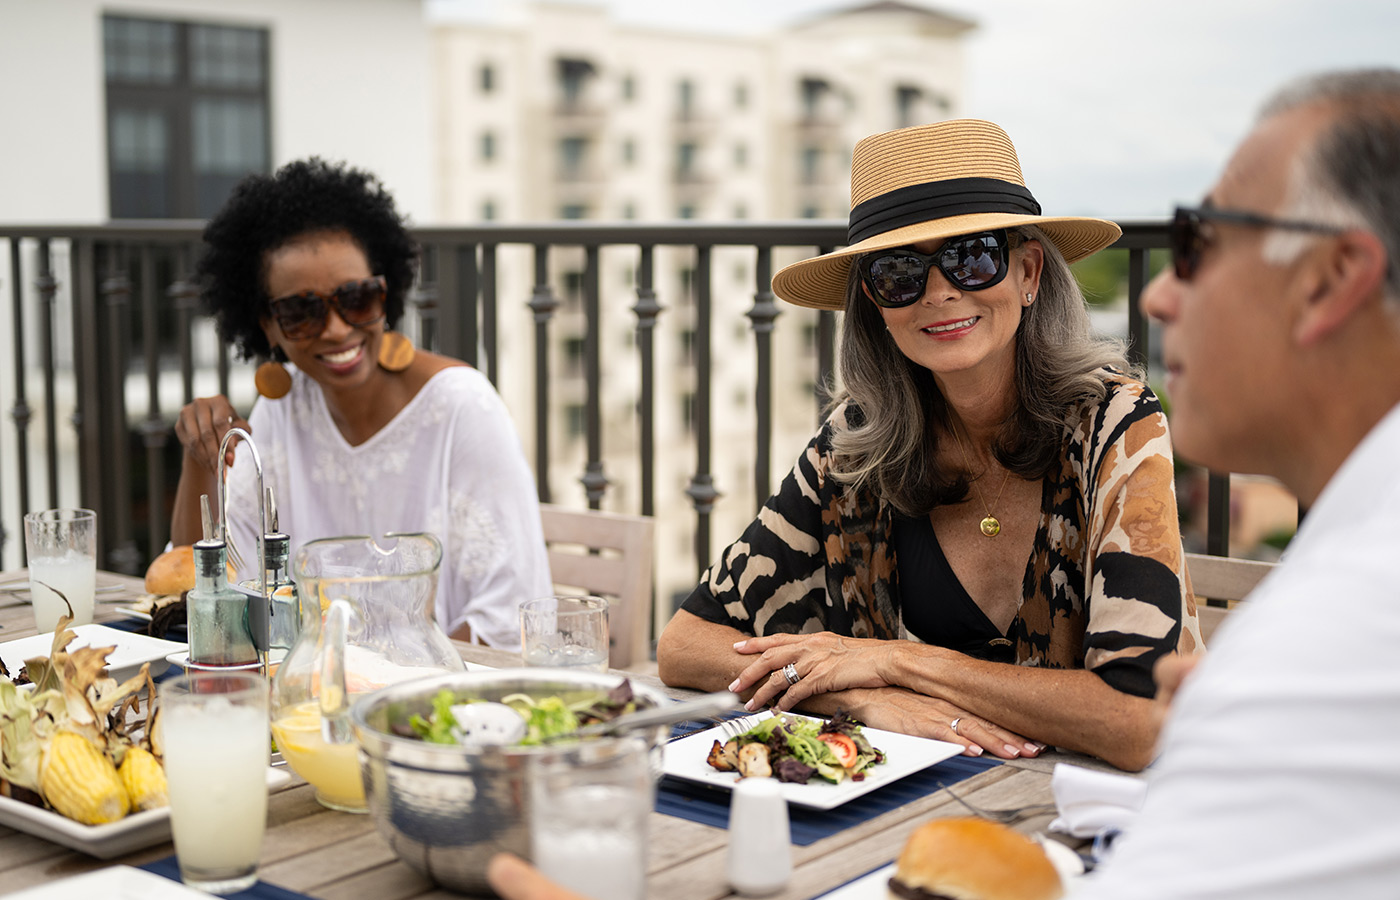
952,328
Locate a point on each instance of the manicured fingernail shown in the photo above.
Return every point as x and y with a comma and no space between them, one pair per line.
739,645
974,750
1012,749
1034,746
734,685
749,706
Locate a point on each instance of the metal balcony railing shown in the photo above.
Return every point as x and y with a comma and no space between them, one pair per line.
131,279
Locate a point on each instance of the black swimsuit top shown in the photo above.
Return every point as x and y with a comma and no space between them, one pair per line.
935,605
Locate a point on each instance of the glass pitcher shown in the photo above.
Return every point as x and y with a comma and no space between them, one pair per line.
366,622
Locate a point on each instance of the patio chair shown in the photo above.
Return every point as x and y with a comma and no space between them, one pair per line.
1223,579
609,555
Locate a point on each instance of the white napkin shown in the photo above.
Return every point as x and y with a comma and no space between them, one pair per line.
1090,801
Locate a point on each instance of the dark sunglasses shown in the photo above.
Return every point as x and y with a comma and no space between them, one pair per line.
303,316
1189,239
972,262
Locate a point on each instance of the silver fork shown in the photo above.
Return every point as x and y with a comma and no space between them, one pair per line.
1004,816
732,728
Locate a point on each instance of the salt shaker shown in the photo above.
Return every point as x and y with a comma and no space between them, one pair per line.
760,849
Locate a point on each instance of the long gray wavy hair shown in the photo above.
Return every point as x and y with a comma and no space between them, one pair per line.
891,446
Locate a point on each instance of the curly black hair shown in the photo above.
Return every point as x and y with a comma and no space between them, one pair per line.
266,212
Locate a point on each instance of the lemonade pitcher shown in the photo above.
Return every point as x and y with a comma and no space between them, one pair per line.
366,622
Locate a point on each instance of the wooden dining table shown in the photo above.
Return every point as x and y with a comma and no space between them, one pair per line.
340,856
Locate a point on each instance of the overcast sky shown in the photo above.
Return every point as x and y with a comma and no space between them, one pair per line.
1119,108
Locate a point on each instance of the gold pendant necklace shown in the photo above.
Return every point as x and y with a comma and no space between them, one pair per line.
990,525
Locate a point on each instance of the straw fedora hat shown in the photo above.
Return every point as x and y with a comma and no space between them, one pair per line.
930,182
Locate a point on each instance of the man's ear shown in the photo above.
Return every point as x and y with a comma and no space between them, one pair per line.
1346,275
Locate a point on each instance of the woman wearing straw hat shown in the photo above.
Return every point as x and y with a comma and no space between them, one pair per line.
981,543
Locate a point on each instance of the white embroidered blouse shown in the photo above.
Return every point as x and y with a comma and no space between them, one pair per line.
449,463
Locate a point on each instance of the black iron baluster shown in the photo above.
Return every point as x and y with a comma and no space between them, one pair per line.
184,298
594,482
20,412
647,310
468,333
702,490
826,355
223,364
47,286
122,554
762,315
88,375
488,313
543,304
1138,351
153,430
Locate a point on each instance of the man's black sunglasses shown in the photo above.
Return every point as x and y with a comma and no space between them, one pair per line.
1189,240
972,262
303,316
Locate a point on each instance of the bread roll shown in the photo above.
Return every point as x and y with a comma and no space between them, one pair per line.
973,859
173,572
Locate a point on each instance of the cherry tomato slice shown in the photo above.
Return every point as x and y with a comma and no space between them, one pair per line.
843,747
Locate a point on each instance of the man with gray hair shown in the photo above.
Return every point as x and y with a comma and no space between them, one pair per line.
1279,775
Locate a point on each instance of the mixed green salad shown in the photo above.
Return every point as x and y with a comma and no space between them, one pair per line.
796,749
544,717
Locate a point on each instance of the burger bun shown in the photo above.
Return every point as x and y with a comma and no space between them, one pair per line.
973,859
173,572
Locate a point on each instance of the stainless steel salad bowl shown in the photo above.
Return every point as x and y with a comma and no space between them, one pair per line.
445,809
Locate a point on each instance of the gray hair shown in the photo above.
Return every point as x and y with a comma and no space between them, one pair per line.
1350,176
891,447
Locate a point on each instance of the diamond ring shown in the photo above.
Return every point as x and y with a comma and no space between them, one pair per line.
790,673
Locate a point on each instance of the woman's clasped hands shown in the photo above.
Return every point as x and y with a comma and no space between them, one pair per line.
792,668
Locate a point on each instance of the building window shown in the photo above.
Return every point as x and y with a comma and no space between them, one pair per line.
809,338
813,90
687,154
741,211
573,286
576,420
906,103
487,77
573,80
488,210
686,211
688,412
187,114
810,212
811,164
629,210
488,146
741,156
574,356
687,276
685,98
629,152
572,152
687,338
573,211
741,96
629,87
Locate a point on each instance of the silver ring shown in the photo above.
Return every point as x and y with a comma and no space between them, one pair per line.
954,724
790,673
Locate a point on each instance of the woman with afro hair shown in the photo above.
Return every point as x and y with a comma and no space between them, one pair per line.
358,432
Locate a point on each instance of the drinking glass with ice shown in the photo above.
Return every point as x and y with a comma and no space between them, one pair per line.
565,632
62,548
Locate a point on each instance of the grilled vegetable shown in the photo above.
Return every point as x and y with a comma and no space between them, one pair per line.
80,781
724,757
144,780
753,761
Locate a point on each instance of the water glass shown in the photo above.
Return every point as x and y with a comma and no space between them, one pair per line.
214,727
565,632
62,548
588,826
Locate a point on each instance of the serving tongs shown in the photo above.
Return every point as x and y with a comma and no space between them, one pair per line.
490,724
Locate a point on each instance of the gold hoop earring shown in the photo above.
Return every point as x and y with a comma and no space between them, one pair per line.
272,380
396,352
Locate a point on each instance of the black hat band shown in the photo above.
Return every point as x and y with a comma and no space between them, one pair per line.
938,200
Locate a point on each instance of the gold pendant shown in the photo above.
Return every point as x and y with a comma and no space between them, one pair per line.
991,527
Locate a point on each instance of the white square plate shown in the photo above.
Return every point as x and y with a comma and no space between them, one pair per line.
125,661
112,883
904,755
143,829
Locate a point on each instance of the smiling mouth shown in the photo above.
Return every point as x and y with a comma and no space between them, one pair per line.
342,357
951,326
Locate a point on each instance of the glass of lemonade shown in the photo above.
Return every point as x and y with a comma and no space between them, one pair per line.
588,825
215,733
62,548
565,632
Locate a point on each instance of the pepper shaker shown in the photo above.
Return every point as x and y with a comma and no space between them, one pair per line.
760,844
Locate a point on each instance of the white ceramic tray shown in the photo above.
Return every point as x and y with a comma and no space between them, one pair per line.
125,661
